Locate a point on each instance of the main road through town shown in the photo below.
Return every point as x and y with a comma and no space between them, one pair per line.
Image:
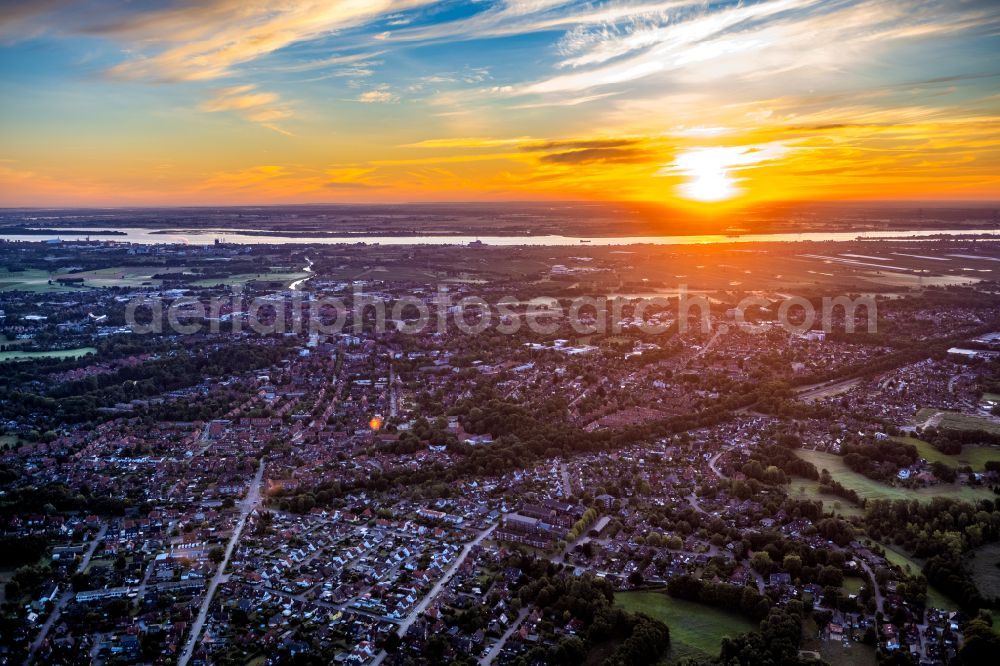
250,502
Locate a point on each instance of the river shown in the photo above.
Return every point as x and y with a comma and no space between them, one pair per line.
295,286
198,237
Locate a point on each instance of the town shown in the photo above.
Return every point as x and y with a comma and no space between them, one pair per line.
201,492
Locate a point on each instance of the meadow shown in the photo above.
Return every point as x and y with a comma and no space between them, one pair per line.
31,280
124,276
834,652
984,565
18,355
870,489
696,630
809,489
935,597
943,420
975,457
285,279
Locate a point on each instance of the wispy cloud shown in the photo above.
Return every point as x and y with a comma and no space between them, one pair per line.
747,41
263,108
206,40
380,96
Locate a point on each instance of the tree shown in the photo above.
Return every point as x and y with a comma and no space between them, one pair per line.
792,564
981,644
216,554
761,562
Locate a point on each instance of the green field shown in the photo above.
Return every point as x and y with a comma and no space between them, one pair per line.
975,457
808,489
870,489
943,420
33,280
59,353
935,597
124,276
285,278
833,652
8,441
696,630
853,584
902,559
984,565
11,342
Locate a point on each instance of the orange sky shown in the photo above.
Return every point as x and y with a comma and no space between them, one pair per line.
703,106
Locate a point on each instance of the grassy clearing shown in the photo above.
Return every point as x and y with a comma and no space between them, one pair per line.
808,489
870,489
956,421
696,630
8,442
243,279
59,353
984,565
853,585
935,597
902,559
32,280
11,342
975,457
124,276
834,653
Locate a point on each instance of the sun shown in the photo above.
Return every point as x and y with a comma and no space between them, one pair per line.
707,173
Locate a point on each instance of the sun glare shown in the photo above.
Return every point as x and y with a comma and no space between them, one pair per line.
707,173
710,174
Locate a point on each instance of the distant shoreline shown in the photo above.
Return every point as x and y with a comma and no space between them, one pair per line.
38,231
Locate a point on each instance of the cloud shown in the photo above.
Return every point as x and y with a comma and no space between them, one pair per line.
377,97
262,108
206,40
699,45
599,155
337,185
466,142
579,144
357,59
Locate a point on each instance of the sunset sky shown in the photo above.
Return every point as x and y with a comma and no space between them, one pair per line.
688,103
